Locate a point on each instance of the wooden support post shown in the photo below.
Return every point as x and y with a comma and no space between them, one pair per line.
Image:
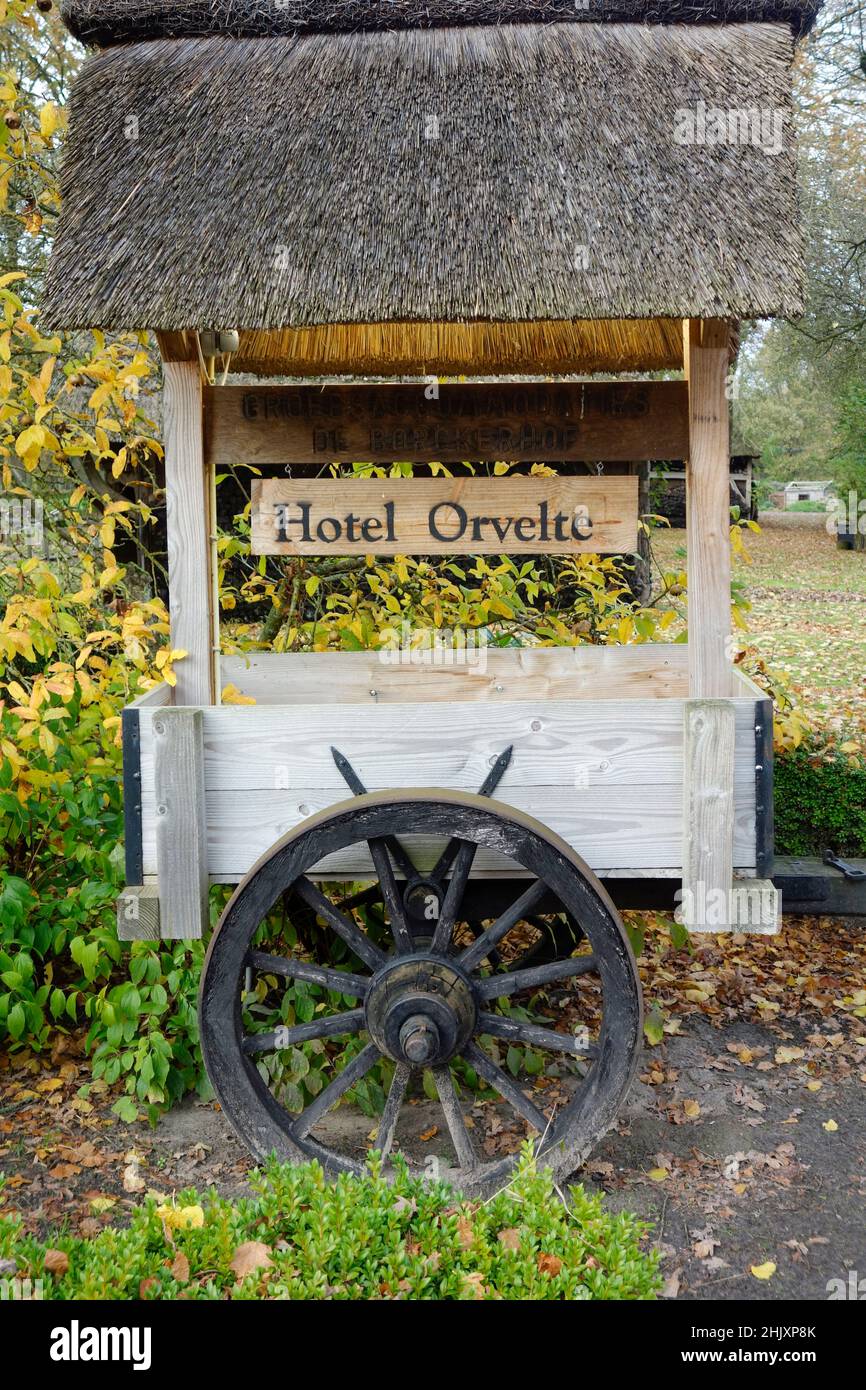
181,824
706,359
189,556
708,814
138,914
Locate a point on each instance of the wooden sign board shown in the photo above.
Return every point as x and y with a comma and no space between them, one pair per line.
458,422
444,516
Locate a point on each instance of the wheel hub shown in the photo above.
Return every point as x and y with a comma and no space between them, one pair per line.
420,1010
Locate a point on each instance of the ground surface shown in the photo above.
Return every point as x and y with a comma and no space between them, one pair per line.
743,1141
808,614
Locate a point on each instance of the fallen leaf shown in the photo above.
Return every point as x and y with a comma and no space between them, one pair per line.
549,1264
764,1271
510,1238
814,1085
56,1263
658,1174
180,1268
692,1109
830,1126
465,1232
132,1179
249,1257
477,1286
429,1133
181,1218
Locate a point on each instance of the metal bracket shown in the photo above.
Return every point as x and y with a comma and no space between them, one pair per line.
449,854
853,875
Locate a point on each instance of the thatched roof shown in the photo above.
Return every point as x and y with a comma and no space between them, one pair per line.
512,175
105,22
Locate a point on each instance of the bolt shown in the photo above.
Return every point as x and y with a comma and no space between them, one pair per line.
535,725
161,810
419,1040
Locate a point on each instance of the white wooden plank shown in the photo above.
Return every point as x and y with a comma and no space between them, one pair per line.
646,670
708,508
138,914
153,699
709,814
575,744
177,821
621,829
187,510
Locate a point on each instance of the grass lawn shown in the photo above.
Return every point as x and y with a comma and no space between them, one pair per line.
808,617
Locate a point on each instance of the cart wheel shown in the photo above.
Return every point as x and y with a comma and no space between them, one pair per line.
428,994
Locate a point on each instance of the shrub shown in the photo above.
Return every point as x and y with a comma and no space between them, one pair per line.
820,800
302,1237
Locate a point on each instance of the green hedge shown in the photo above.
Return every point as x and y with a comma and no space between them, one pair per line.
302,1237
820,803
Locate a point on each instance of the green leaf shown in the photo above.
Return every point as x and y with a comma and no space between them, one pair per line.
653,1026
16,1021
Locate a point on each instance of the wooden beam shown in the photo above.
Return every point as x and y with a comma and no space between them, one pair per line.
188,521
448,422
709,738
706,356
138,914
181,822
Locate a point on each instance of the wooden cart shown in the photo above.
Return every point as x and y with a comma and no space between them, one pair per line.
451,826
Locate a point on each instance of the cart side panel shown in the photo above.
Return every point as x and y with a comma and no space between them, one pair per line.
606,775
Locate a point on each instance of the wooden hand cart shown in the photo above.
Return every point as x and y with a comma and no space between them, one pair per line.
472,812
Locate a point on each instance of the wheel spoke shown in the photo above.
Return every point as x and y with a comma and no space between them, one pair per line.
334,1026
373,894
535,977
475,954
487,788
508,1089
531,1035
460,1136
352,1072
391,894
355,986
453,896
390,1115
342,925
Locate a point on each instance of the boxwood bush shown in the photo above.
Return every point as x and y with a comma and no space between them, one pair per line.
820,802
302,1237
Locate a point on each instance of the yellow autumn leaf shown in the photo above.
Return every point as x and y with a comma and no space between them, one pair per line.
814,1085
658,1174
788,1054
692,1109
764,1271
119,464
181,1218
28,440
830,1126
232,696
49,120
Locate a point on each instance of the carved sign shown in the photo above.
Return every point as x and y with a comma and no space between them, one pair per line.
444,516
450,423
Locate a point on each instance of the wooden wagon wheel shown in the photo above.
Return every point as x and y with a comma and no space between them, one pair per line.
425,997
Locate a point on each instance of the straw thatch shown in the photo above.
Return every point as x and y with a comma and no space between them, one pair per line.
514,175
105,22
452,349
